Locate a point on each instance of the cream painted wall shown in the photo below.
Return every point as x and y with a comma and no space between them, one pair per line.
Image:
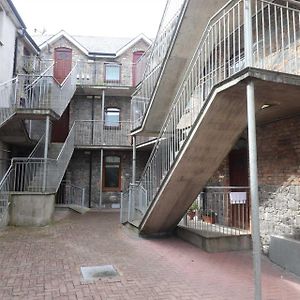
7,50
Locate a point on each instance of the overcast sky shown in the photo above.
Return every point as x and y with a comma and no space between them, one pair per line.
119,18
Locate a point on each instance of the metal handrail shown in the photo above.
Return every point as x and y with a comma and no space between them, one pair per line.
219,56
95,133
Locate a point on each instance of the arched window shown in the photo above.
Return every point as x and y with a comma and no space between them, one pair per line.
112,117
112,173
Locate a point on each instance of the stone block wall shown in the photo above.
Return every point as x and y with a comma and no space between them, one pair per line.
278,150
79,173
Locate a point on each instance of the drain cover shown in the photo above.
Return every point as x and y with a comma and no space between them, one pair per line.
92,273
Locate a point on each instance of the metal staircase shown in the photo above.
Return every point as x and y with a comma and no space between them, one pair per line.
30,96
209,111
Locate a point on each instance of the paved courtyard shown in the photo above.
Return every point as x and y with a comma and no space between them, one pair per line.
44,263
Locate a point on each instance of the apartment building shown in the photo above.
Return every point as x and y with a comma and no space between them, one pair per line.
99,112
199,100
66,120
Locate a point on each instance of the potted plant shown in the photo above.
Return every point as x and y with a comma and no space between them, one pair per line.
192,210
209,216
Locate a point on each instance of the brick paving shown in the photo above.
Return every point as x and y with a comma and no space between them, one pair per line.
44,263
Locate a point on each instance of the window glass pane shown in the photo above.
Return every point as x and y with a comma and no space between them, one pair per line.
112,72
112,172
112,117
112,176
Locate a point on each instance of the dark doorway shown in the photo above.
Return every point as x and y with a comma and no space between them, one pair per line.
60,128
238,174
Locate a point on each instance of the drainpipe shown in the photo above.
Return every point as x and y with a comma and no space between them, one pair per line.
90,178
101,177
46,144
93,118
102,115
252,153
133,159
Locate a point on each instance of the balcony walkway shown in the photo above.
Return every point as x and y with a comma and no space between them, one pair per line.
44,263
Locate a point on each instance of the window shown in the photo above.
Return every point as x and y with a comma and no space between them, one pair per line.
112,117
112,73
112,173
2,13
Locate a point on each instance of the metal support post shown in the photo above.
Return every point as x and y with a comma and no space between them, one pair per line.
254,189
46,144
102,115
101,178
248,33
133,159
83,197
248,37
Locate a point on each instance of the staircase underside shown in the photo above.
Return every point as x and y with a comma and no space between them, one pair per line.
13,130
214,134
192,25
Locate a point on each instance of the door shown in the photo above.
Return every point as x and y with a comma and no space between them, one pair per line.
63,63
136,73
60,128
238,176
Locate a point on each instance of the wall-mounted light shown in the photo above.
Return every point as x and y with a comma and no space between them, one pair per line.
265,106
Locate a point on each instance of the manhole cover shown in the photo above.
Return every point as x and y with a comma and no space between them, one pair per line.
92,273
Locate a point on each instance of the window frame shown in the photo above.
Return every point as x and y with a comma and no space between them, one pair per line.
107,126
112,189
114,64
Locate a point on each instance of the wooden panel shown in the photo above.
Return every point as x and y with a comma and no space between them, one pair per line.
63,63
136,56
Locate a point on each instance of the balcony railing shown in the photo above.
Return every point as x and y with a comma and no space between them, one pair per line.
220,55
35,65
35,92
93,73
69,194
221,210
151,61
98,133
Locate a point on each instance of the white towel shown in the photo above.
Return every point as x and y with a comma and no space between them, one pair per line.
238,197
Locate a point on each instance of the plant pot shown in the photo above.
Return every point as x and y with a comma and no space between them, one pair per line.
191,214
209,219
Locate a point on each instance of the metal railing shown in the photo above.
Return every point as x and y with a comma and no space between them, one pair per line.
133,204
7,99
5,187
36,92
151,61
35,65
36,174
220,210
38,150
94,73
44,92
98,133
219,55
69,194
124,213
